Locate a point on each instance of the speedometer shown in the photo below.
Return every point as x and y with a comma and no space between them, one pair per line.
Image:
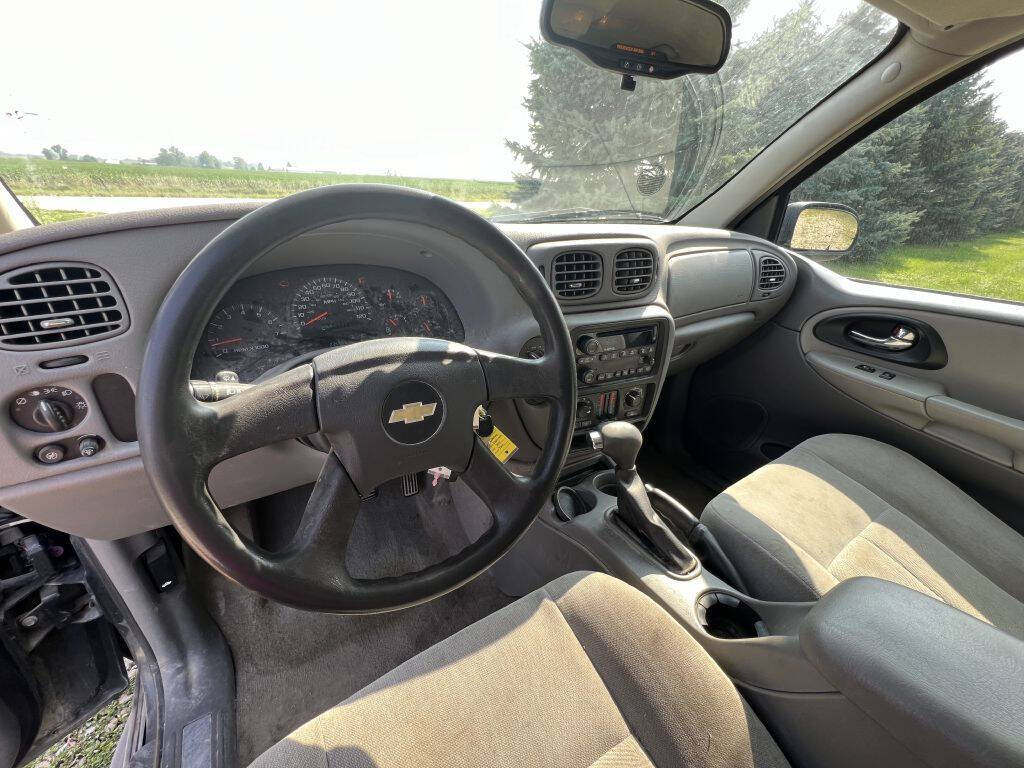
332,307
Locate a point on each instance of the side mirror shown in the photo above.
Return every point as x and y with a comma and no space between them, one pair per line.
821,231
652,38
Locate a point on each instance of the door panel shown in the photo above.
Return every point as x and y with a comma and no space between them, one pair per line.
969,401
964,418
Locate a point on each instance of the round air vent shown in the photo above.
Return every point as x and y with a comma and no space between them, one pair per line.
771,273
58,305
650,177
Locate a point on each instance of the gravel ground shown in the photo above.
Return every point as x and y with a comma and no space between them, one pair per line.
92,745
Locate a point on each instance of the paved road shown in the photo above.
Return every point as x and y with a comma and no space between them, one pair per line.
123,204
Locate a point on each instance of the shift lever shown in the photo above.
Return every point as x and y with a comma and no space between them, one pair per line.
620,441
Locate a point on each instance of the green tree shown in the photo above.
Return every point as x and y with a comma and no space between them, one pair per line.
206,160
55,152
590,142
239,164
947,170
171,156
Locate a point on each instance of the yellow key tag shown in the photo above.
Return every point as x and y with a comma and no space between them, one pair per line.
497,442
500,445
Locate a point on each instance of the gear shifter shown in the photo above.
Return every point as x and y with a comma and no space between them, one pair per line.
620,441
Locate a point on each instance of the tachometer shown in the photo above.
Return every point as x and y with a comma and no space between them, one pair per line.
241,331
428,317
330,306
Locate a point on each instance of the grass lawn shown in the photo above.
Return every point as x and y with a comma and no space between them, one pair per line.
990,266
65,177
92,745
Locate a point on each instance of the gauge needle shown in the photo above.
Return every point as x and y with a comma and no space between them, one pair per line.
226,341
315,318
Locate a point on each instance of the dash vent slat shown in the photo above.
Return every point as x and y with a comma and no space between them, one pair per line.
576,274
634,271
771,274
58,305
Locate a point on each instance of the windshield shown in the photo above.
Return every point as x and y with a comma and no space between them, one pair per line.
127,106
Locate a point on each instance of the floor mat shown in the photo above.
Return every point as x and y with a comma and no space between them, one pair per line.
290,665
658,470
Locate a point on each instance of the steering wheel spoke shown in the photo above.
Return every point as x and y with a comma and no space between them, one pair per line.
493,483
509,376
318,545
278,409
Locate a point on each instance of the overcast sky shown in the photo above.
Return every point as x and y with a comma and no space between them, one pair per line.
417,88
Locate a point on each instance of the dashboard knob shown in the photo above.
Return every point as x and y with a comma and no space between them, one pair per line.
52,416
51,454
88,446
633,398
584,410
588,375
589,345
646,360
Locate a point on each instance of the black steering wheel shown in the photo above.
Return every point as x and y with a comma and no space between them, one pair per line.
387,407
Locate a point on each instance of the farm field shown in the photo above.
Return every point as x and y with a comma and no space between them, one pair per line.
73,178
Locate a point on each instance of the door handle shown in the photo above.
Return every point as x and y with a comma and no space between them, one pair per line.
902,337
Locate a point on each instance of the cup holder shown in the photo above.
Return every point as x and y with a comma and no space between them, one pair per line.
605,483
726,616
572,502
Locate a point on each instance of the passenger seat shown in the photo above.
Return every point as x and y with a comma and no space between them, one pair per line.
839,506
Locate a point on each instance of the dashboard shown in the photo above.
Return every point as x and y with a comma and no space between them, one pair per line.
276,318
703,291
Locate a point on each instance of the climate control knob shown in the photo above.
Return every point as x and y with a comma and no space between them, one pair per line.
589,345
584,410
588,375
633,398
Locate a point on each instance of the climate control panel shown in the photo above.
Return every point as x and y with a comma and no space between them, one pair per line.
623,403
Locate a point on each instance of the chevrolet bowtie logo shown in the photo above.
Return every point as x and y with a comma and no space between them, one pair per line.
410,413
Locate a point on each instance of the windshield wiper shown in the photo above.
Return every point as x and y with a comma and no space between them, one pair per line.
579,214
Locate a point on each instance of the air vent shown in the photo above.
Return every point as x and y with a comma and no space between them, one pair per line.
634,271
58,305
771,273
576,274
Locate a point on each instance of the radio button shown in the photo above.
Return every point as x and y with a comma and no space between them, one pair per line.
589,345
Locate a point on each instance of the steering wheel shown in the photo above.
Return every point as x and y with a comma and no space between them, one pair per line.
387,407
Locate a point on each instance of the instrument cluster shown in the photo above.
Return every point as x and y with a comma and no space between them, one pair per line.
266,320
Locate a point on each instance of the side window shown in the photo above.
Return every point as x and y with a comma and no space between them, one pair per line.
939,191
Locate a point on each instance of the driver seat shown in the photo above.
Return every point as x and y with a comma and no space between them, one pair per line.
586,672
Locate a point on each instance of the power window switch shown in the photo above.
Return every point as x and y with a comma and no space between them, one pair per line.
887,375
866,368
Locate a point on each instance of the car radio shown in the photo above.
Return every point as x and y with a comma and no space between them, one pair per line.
618,369
620,354
618,372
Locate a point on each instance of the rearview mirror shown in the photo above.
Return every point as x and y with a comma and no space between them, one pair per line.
823,231
653,38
